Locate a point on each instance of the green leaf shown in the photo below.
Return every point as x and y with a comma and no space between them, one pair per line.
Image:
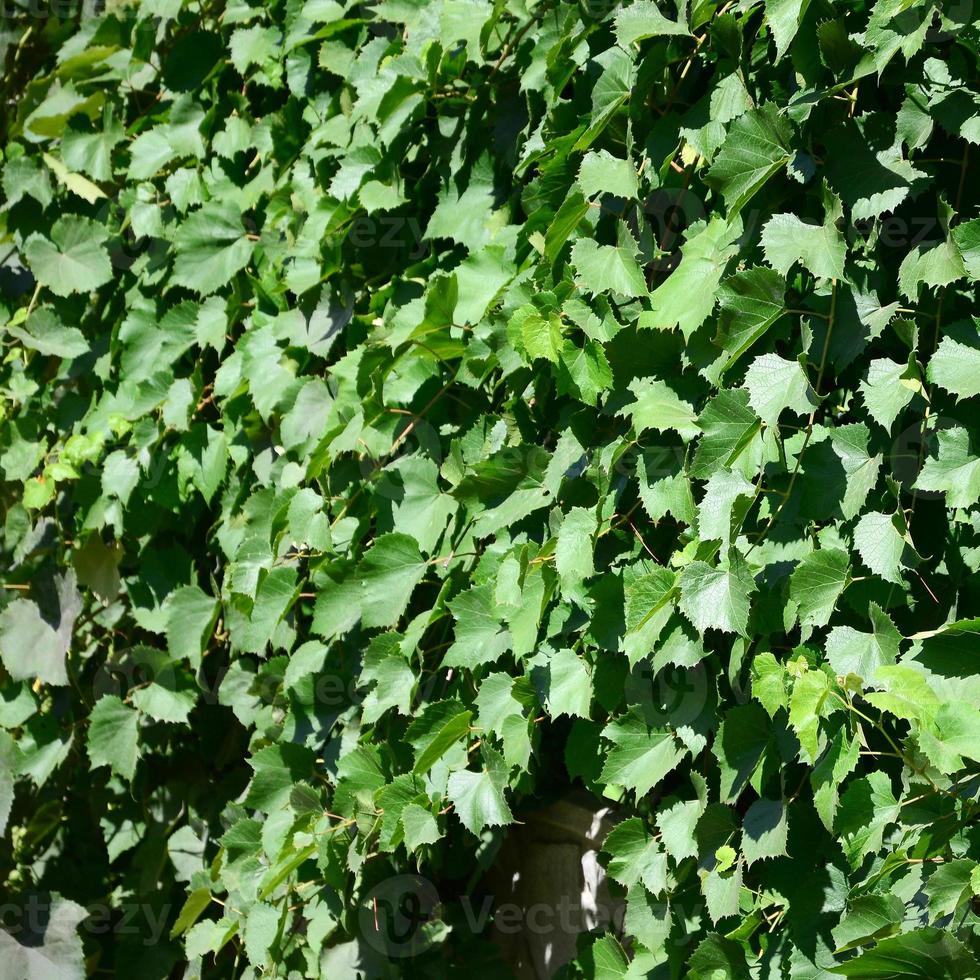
386,578
636,856
956,367
868,917
757,146
850,651
955,470
658,406
573,550
817,583
774,384
784,17
949,888
642,19
728,426
210,248
420,827
867,808
881,544
743,738
569,685
602,173
641,757
33,646
935,266
820,249
887,390
478,797
921,953
190,618
687,296
717,598
480,634
440,726
727,497
113,736
765,830
73,259
850,445
47,946
613,268
750,302
609,93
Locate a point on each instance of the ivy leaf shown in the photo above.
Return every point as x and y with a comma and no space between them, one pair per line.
751,301
936,266
47,947
955,470
600,268
190,618
717,598
868,917
924,952
867,808
386,578
569,685
642,19
816,585
765,830
727,495
687,296
636,856
573,551
784,17
480,634
658,406
440,726
887,390
774,384
850,651
73,260
113,736
850,445
820,249
757,146
419,827
478,797
30,645
602,173
880,543
210,247
956,367
641,757
728,426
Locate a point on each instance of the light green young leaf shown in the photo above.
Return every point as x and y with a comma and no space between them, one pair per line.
642,19
955,470
687,296
774,384
881,544
717,598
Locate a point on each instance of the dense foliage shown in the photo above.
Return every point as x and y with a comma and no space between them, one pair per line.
413,411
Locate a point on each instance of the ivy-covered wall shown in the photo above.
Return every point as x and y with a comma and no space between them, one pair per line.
423,417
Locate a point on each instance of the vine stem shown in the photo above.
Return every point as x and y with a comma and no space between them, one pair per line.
810,422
